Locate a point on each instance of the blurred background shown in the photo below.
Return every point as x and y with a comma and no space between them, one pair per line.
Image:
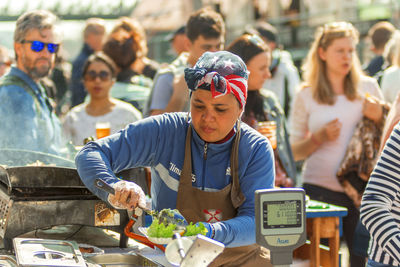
295,19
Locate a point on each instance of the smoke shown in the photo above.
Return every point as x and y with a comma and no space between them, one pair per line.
26,138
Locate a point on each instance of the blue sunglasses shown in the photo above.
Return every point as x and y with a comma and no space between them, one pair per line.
38,46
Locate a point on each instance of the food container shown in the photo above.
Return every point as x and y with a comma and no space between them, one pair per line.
8,261
119,259
47,252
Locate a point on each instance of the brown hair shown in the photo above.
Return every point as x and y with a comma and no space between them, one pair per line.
205,22
314,68
136,32
100,56
380,33
247,46
94,26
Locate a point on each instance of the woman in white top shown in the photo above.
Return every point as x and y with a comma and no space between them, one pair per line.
325,113
391,76
98,77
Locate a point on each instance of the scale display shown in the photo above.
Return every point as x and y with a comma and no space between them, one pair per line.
282,214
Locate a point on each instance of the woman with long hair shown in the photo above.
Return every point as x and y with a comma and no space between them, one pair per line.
262,105
334,98
127,46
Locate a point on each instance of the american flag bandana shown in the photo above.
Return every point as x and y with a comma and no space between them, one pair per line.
220,72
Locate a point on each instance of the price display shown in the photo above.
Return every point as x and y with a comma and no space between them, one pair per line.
282,214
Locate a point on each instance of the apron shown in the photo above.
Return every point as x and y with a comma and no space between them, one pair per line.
201,206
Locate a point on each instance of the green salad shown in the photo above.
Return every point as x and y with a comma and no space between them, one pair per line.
158,229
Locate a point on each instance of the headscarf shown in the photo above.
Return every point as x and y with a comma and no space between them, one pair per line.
220,72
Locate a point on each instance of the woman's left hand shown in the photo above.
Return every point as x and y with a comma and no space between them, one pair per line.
372,109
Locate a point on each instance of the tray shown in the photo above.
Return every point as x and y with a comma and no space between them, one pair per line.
47,252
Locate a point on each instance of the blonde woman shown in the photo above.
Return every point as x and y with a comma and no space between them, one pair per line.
326,110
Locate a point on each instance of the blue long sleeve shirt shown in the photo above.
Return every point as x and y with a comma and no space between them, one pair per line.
159,142
24,124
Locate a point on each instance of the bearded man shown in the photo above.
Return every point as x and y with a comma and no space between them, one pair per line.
27,118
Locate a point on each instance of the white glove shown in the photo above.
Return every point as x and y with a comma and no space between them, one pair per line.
128,195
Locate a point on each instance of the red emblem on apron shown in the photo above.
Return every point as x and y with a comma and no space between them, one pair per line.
212,215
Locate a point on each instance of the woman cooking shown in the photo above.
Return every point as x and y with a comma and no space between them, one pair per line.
204,163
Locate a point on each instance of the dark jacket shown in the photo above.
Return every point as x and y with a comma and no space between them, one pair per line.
273,112
77,88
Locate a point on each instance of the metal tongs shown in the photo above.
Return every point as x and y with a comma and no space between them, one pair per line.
166,216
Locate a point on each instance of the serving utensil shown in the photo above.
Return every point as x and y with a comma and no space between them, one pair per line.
166,216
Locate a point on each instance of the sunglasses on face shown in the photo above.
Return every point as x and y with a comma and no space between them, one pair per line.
92,75
38,46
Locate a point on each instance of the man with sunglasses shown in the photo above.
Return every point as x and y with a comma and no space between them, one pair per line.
28,119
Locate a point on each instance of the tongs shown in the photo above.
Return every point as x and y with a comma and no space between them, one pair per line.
99,183
165,216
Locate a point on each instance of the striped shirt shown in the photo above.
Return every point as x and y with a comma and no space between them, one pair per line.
380,208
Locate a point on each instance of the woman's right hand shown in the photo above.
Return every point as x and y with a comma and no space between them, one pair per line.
329,132
304,148
128,195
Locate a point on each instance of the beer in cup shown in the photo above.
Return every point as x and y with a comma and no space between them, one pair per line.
268,129
103,129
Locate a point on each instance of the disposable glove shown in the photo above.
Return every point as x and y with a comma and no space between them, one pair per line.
128,195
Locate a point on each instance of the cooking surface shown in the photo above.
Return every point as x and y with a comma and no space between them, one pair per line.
19,157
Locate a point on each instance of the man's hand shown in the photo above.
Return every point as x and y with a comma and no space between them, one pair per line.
128,195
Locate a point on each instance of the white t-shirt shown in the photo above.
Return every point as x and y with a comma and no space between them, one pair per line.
390,83
78,124
308,116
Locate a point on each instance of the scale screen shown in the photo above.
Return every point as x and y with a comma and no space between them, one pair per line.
282,214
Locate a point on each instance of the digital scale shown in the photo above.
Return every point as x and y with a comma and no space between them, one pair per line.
280,216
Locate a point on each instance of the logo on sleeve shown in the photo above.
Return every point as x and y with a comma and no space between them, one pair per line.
212,215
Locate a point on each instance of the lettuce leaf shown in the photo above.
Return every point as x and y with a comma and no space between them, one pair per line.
157,229
193,229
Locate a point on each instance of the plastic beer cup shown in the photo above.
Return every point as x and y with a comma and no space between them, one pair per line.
268,129
103,129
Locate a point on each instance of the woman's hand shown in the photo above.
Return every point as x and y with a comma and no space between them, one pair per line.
128,195
329,132
372,109
304,148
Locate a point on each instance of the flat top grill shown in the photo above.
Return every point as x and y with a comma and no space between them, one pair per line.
42,182
20,157
37,197
33,197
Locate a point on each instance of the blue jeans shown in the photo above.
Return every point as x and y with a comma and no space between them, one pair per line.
372,263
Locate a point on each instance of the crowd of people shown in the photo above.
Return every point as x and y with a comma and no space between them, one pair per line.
197,122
